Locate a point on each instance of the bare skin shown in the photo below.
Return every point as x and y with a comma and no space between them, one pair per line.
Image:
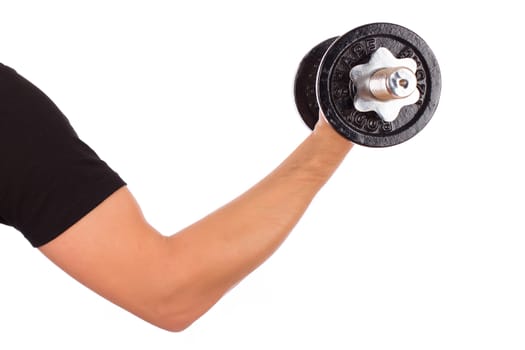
170,281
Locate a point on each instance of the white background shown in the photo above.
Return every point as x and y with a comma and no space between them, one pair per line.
419,246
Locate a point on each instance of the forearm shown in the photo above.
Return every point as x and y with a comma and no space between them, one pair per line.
221,249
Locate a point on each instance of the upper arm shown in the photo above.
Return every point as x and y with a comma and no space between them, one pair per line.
68,202
116,253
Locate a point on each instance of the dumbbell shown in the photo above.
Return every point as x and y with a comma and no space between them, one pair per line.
377,85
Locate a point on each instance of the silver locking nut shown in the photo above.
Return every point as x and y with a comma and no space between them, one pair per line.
385,84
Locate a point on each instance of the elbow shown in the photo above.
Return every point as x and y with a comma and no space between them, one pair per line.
174,322
174,326
175,316
175,304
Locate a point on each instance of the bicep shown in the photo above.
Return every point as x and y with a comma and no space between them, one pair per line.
116,253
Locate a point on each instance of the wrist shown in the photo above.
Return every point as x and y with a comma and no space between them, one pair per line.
329,139
320,154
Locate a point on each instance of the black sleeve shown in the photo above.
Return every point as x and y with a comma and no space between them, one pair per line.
49,178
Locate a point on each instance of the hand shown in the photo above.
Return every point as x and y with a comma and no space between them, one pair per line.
324,130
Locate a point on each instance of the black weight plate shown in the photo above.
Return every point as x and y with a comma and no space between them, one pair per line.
305,82
335,91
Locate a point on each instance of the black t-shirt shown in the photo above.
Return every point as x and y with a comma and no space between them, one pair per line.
49,178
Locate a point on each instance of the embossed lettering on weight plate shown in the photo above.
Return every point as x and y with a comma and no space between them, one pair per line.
421,77
339,75
358,50
367,123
